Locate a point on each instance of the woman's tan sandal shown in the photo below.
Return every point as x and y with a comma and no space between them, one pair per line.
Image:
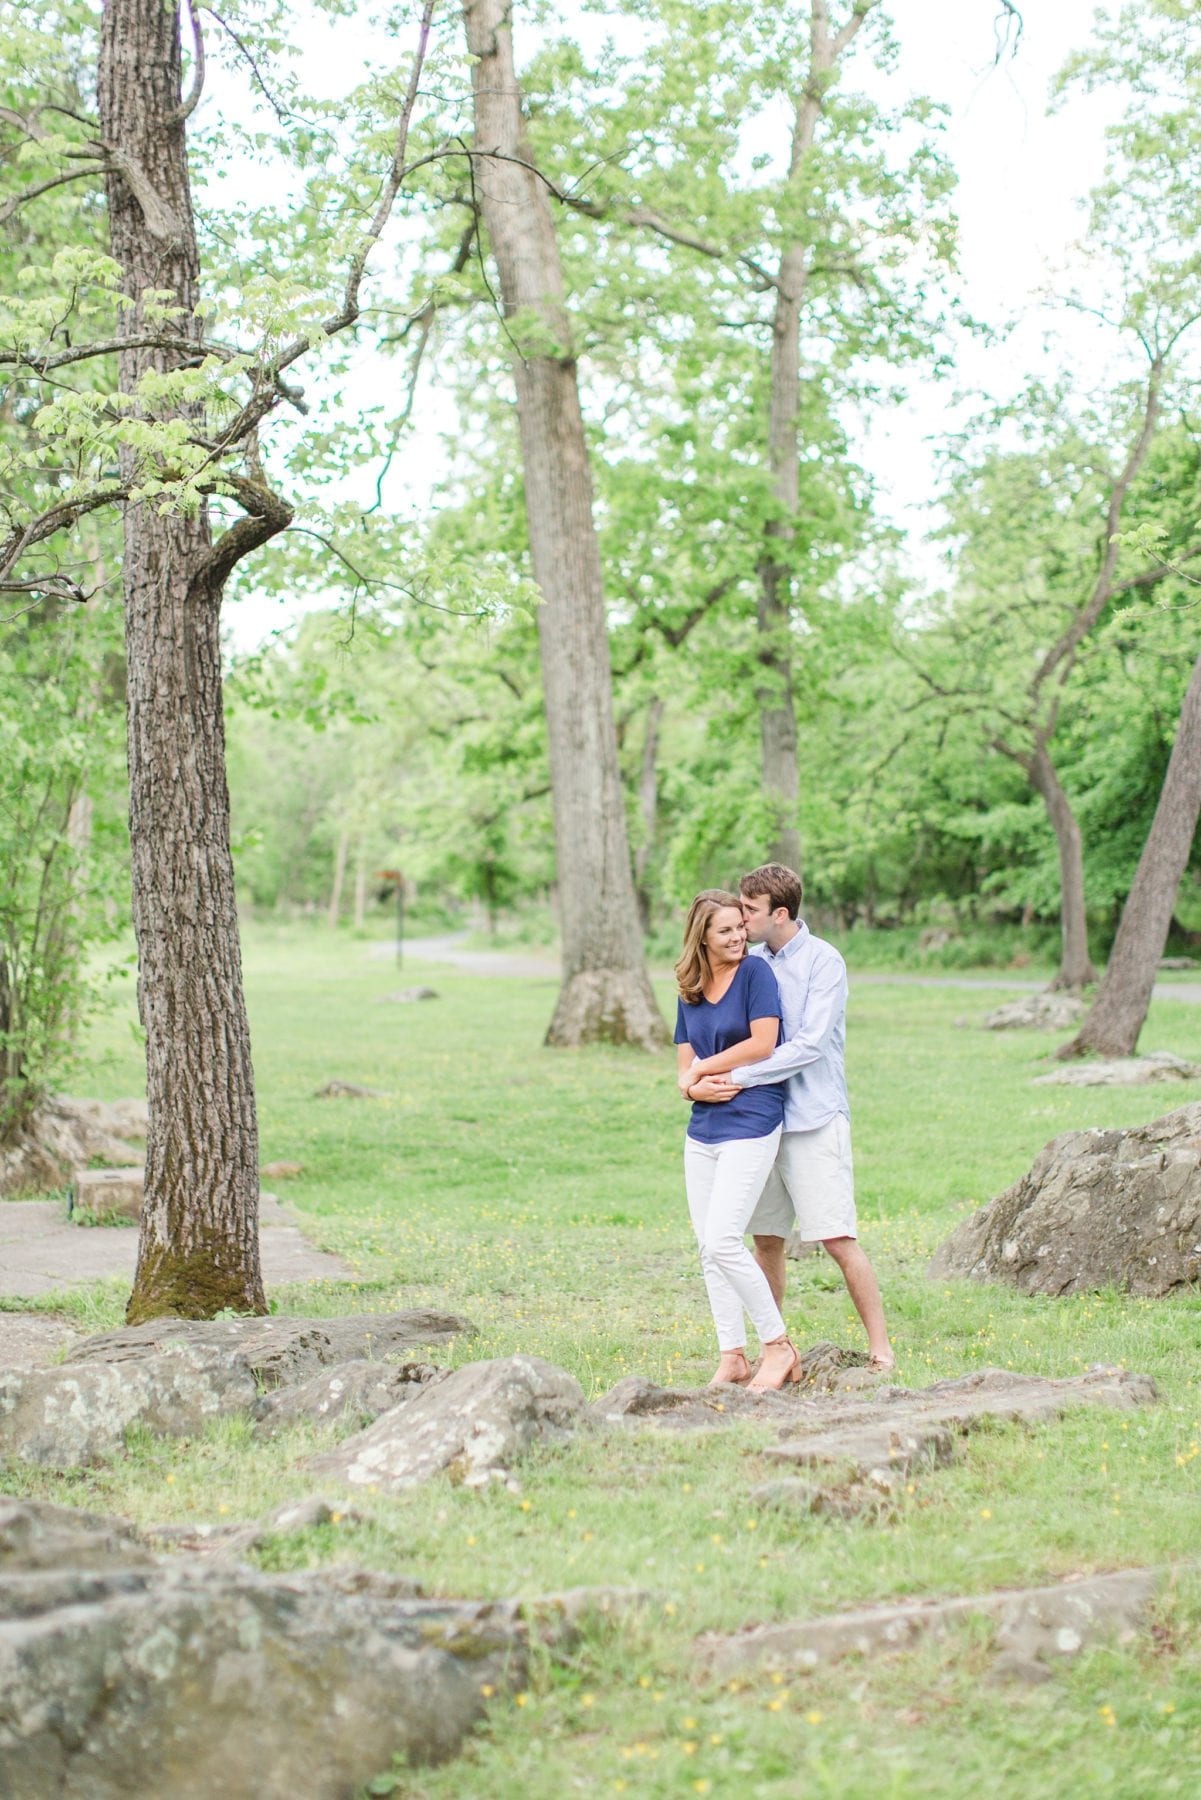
739,1380
791,1372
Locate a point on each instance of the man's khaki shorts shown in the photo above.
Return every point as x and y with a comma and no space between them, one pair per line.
811,1188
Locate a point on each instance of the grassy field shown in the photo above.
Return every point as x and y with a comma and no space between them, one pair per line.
540,1193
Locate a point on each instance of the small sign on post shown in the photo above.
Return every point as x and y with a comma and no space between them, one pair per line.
397,876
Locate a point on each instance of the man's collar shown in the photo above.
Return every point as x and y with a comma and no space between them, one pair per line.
794,943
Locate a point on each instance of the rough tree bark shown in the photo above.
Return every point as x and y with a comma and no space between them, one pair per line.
648,808
774,693
606,993
1115,1019
198,1250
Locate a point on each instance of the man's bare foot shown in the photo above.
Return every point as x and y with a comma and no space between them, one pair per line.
882,1362
732,1369
777,1365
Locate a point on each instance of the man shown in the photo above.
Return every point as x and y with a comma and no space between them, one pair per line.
812,1181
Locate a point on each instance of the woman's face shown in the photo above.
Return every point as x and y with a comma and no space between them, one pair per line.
725,936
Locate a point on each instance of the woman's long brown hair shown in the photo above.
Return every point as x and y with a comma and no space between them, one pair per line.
693,971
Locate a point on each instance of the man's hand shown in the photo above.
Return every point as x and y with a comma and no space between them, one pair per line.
713,1087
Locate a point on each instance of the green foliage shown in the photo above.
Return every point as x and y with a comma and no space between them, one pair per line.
61,839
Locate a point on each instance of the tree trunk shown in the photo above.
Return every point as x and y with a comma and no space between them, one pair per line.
335,899
1075,965
648,809
360,889
198,1251
606,992
1116,1017
774,693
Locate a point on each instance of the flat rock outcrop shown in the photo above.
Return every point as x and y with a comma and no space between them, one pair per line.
172,1376
127,1677
1122,1071
472,1426
1097,1209
1031,1627
900,1429
858,1447
280,1351
1036,1012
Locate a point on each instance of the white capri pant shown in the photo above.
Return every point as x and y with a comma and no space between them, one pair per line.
724,1182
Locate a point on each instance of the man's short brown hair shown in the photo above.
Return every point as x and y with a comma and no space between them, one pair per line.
781,886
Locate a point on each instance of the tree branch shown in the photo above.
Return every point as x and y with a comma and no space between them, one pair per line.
189,106
16,201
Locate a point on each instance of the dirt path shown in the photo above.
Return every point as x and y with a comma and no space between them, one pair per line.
450,949
41,1252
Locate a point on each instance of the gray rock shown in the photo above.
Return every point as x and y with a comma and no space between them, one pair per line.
117,1191
66,1134
1034,1624
28,1339
825,1368
472,1426
854,1501
347,1090
405,996
209,1680
636,1401
35,1535
72,1416
899,1429
1122,1071
280,1351
358,1391
1177,962
1097,1208
879,1451
1036,1012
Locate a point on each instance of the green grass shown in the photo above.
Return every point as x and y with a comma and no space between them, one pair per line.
540,1193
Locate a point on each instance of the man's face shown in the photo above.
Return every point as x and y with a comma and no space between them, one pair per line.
757,916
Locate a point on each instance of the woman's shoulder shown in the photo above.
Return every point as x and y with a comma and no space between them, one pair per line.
760,972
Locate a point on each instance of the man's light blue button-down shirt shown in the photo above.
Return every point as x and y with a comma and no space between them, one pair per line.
812,979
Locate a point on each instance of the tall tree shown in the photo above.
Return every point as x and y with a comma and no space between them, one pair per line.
1115,1019
777,709
606,993
182,425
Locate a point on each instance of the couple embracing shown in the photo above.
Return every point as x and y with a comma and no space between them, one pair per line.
760,1041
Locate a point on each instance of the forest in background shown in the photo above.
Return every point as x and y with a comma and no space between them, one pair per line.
742,241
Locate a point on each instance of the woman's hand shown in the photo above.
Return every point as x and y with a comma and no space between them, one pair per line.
687,1076
713,1087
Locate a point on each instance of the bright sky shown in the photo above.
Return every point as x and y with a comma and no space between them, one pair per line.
1022,178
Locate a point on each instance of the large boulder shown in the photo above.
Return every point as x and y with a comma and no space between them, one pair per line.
1097,1209
123,1678
280,1351
474,1426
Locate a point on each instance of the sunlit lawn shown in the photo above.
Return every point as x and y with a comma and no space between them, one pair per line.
539,1193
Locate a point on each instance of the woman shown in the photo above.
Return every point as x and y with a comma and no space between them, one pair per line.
729,1014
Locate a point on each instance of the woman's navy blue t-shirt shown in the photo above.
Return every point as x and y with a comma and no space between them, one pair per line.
712,1026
